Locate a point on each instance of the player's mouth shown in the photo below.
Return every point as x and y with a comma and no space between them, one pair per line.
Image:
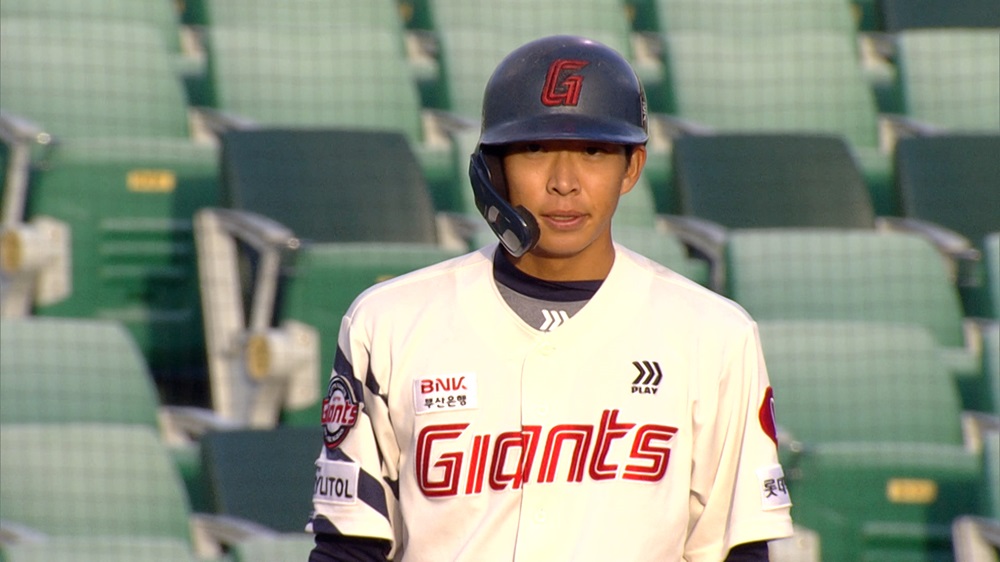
564,220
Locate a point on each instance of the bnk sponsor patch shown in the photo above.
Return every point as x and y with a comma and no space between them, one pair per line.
445,392
773,489
336,482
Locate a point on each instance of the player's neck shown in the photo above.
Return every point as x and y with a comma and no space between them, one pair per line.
592,266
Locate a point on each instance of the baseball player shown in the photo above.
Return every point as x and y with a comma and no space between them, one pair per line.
555,396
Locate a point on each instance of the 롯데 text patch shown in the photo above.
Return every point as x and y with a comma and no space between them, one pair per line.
773,489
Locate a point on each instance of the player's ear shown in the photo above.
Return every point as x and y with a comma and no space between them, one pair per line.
636,160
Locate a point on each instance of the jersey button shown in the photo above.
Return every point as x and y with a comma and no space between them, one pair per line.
548,349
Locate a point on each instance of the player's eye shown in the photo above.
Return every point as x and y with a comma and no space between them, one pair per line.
532,147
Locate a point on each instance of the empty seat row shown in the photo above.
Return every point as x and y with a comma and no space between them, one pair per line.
82,429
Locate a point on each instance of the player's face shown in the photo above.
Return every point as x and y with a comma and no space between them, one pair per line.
572,188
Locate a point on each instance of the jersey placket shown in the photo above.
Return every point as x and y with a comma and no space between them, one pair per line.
537,528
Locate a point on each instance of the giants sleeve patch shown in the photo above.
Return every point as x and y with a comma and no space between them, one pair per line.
773,489
336,482
340,411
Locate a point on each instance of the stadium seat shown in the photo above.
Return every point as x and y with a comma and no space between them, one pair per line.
854,275
98,375
289,546
899,15
115,184
749,17
364,81
102,549
110,484
802,82
352,220
160,15
297,13
951,181
752,16
991,369
48,65
947,185
767,180
991,265
90,480
771,180
277,464
878,465
73,370
950,78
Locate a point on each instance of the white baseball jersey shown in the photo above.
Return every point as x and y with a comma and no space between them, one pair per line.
640,429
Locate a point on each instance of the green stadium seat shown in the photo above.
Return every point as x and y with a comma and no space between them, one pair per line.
877,464
951,180
160,15
770,181
801,82
288,546
102,549
98,375
762,180
353,221
73,370
49,64
950,78
753,16
90,480
991,456
297,13
98,487
947,185
364,81
857,274
122,176
276,464
991,265
991,367
899,15
749,17
860,381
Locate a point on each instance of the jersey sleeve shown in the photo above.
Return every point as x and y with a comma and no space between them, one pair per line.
738,491
355,491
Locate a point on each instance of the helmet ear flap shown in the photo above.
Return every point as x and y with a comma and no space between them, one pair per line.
516,228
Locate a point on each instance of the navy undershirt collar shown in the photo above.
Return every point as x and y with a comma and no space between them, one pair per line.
555,291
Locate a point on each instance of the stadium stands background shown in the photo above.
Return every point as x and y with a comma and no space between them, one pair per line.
194,191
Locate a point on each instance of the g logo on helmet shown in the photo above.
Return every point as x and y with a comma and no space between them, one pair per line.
340,411
562,87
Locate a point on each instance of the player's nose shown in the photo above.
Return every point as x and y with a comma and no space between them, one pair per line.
563,178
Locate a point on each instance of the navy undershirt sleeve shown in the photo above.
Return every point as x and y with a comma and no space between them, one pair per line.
749,552
339,548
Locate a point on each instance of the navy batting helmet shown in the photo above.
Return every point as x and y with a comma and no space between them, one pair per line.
555,88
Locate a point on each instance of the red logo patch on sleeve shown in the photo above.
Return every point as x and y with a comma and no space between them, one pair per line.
766,415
